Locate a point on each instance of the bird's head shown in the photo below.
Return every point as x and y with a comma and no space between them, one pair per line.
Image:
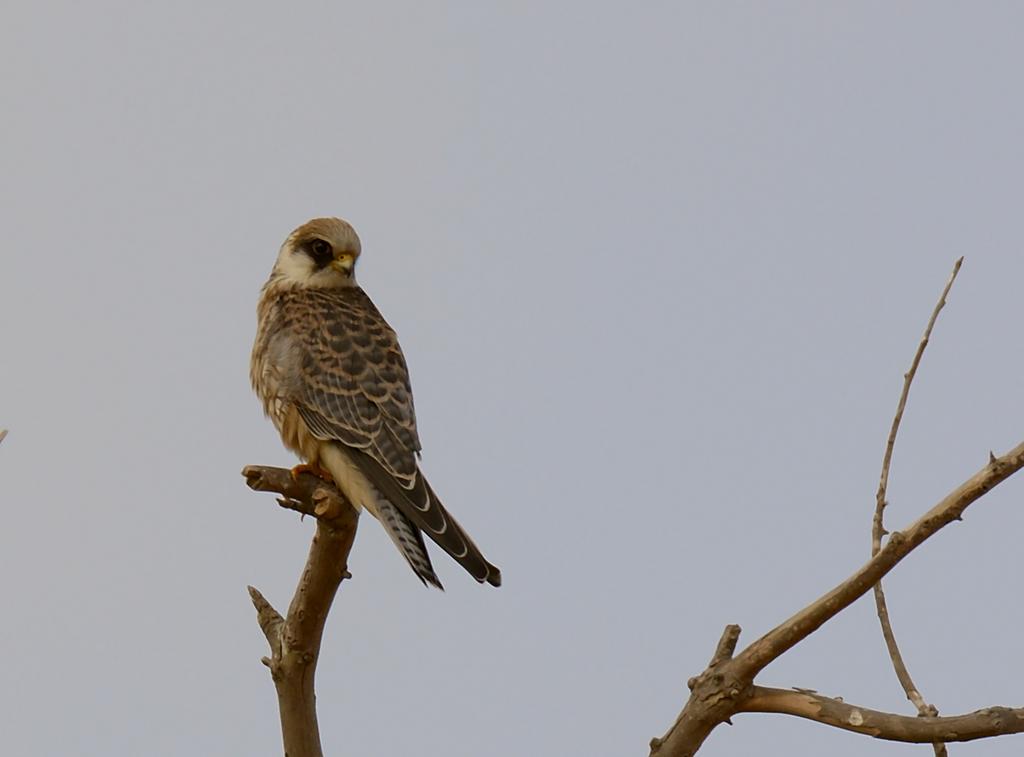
321,253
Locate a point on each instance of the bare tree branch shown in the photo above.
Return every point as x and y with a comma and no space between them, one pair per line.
878,527
719,692
899,545
992,721
295,640
3,434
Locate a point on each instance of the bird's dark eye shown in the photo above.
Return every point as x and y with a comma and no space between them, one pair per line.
321,252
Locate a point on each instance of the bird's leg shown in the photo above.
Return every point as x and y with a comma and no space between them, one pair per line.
313,468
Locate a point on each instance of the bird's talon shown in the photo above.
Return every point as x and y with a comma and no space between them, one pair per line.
316,470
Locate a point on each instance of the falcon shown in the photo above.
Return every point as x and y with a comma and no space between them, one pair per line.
332,378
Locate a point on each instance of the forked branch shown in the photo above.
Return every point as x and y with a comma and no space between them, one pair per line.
727,686
295,639
724,687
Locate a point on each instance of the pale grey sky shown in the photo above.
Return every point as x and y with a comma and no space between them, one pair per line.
657,269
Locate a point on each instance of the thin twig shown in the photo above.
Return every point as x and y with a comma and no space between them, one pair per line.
3,434
878,527
878,531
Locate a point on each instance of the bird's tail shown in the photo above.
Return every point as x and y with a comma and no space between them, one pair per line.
455,541
425,513
362,492
409,541
407,514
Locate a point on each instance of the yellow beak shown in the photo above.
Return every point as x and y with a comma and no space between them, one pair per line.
343,263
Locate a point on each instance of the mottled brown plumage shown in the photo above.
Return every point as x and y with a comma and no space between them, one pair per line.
333,379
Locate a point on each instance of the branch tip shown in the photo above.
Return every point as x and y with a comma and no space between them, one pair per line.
252,476
726,645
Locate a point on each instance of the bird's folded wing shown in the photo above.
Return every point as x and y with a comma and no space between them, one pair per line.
353,387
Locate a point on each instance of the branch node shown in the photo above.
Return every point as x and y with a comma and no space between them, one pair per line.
326,504
294,504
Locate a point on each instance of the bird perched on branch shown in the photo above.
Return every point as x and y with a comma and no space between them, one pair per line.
333,379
